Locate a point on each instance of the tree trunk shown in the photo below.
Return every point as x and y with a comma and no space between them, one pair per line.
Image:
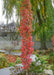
43,42
43,38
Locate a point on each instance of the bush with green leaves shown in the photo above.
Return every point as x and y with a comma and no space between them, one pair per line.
11,64
3,62
52,67
18,61
38,68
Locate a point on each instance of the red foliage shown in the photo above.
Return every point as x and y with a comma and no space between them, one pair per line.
53,42
26,31
11,58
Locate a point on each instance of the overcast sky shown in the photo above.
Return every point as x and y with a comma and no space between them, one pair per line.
2,17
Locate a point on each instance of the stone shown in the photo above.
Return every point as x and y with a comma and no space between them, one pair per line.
48,72
34,59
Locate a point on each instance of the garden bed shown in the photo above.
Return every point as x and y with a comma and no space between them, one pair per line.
46,56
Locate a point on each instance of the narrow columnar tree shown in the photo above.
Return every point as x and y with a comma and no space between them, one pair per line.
26,31
22,7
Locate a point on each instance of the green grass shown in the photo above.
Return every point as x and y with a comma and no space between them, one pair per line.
16,51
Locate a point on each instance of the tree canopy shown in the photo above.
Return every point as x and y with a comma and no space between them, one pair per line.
42,13
43,19
9,6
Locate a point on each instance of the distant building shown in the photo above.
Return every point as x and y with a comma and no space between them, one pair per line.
8,30
11,27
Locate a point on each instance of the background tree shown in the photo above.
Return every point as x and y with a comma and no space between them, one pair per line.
43,17
9,6
43,20
8,10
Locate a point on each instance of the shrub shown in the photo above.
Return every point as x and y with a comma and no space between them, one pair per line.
39,68
18,61
53,42
11,58
11,64
3,62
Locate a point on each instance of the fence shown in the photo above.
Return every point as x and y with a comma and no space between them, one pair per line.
37,44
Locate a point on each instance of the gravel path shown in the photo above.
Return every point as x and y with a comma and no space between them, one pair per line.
13,53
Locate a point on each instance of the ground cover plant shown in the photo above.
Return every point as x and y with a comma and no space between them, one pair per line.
9,60
36,20
46,58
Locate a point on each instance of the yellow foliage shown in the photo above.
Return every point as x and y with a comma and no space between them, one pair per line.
43,10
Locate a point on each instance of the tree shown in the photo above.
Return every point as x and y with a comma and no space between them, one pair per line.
25,28
8,9
43,20
26,31
9,6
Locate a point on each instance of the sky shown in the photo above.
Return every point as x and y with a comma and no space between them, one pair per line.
2,17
